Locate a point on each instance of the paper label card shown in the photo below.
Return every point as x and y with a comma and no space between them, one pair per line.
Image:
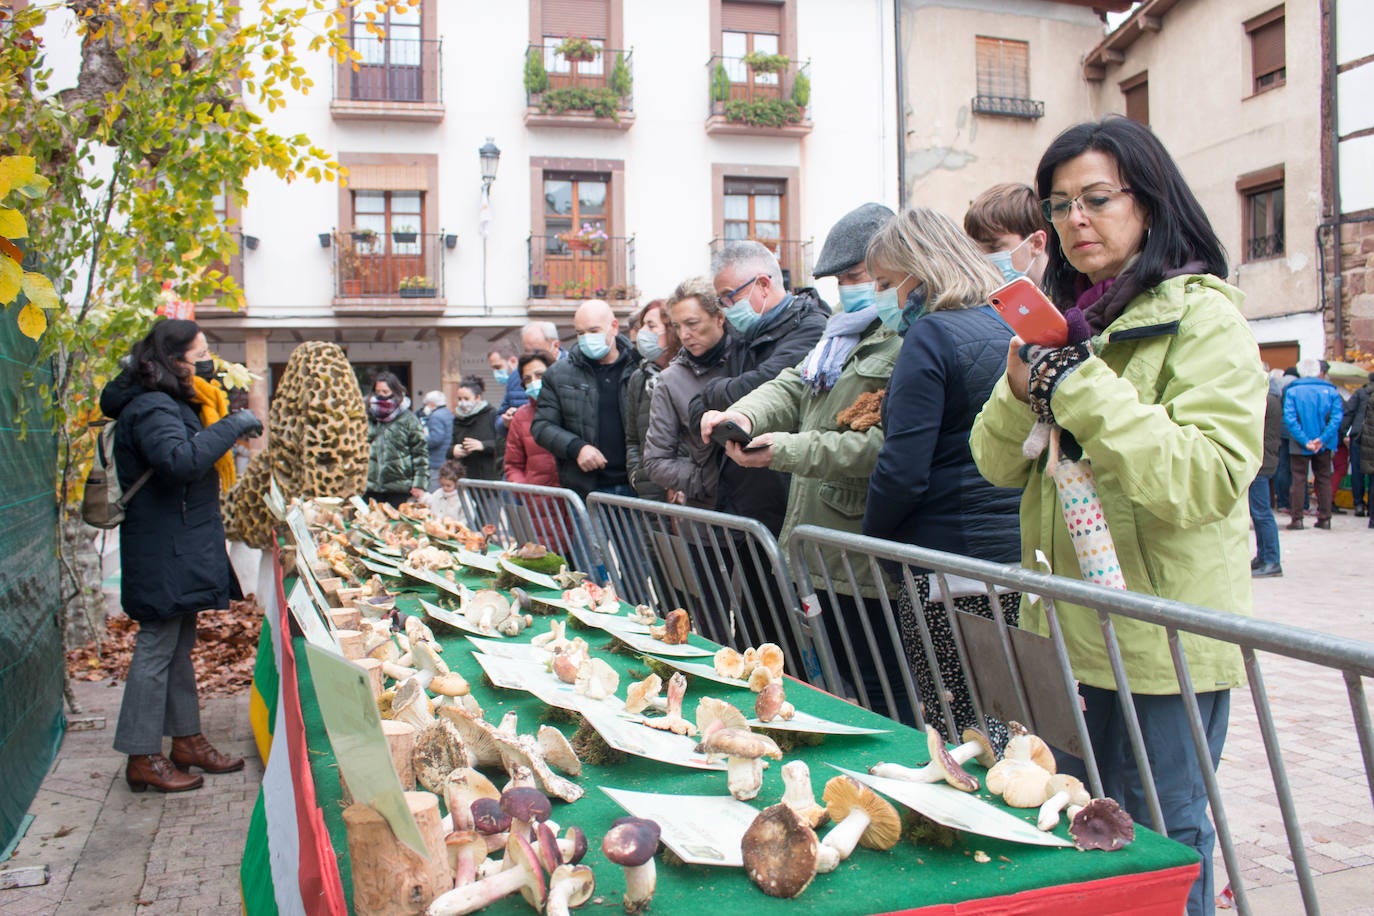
305,543
530,576
359,504
601,620
701,669
308,616
381,569
960,810
648,645
429,576
276,503
355,732
520,651
477,561
632,737
701,829
805,722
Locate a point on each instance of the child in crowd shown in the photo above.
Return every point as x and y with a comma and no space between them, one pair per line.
444,502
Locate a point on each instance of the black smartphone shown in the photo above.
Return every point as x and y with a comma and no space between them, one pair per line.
730,431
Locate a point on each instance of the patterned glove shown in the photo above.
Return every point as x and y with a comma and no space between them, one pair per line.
1048,367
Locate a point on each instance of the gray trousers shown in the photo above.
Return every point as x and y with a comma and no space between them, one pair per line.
160,691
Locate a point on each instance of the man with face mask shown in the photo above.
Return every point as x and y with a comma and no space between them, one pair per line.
1007,223
580,412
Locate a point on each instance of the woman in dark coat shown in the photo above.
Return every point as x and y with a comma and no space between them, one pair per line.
474,431
171,546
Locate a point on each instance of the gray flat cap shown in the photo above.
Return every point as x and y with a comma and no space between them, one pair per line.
846,244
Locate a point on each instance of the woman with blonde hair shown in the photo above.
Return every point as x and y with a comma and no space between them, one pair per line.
933,283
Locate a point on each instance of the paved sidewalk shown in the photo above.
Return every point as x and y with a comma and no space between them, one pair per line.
115,852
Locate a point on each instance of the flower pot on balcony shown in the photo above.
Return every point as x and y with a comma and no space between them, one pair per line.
577,244
352,288
419,292
404,238
539,290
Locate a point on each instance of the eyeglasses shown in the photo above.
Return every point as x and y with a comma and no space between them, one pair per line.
727,299
1092,203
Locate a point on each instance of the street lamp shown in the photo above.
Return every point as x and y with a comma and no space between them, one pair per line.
490,156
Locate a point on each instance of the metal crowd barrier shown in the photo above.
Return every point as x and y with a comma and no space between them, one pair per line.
552,516
1008,679
728,571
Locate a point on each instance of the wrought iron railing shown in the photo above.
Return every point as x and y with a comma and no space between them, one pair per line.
1008,106
794,257
1263,246
373,265
603,86
604,270
750,95
392,70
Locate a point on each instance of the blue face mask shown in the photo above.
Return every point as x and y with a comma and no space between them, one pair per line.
889,309
646,342
502,376
857,296
742,316
899,319
532,389
1002,261
594,344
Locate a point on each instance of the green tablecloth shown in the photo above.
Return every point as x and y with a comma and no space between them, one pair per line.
868,882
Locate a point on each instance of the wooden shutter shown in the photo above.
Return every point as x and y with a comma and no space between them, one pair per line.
1267,48
1136,94
1003,67
388,177
587,18
742,16
770,186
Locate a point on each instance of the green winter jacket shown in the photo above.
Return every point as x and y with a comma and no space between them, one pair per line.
1171,414
399,458
829,466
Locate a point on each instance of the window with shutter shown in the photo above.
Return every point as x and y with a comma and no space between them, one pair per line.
1003,77
1268,50
739,16
1135,92
390,245
1262,195
571,18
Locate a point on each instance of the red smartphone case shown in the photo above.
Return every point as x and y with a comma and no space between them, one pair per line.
1033,317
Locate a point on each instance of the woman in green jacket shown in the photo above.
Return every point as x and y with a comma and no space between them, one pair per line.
1163,393
398,462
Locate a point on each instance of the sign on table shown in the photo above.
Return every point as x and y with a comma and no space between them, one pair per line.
305,543
701,829
307,614
650,646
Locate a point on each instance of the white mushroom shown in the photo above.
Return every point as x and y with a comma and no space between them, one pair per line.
596,680
411,704
1064,790
798,795
743,751
558,751
641,694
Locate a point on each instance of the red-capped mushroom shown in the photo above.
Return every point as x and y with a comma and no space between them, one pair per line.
631,844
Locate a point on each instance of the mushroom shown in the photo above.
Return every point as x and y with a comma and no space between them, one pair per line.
751,661
440,679
467,852
565,666
438,752
596,680
485,610
411,704
744,752
1102,825
570,886
729,663
641,694
644,614
523,875
1031,747
771,657
631,843
760,678
942,766
513,624
573,845
525,807
798,795
976,746
675,628
1020,781
1064,790
771,703
861,818
417,631
463,787
713,714
521,753
488,817
552,637
478,736
780,851
557,751
673,721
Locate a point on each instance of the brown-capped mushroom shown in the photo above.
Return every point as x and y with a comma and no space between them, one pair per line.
524,875
798,795
631,844
743,751
570,886
675,628
780,852
640,695
942,766
1033,748
463,787
1019,776
1064,790
1102,824
673,721
729,663
861,818
525,807
771,703
438,752
771,657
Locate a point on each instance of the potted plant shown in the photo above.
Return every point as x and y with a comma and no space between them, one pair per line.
404,234
588,238
536,77
366,237
578,48
418,287
350,265
720,84
760,62
539,285
574,289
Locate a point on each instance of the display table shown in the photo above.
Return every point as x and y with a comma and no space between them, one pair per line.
1151,876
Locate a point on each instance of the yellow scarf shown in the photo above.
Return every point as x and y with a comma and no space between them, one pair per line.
214,406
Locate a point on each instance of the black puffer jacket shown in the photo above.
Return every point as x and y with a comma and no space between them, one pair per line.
639,396
171,543
926,490
482,427
565,416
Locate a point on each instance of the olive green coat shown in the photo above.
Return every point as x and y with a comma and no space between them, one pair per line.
830,466
1171,414
399,458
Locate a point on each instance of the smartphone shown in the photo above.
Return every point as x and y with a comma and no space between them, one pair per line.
730,431
1033,317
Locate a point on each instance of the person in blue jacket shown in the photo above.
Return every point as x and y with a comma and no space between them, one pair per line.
1312,412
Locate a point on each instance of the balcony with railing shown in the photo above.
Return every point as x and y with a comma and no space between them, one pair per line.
581,90
760,95
563,272
222,304
391,274
1259,247
1008,107
794,257
397,79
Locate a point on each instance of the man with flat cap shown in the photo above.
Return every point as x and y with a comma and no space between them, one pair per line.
794,417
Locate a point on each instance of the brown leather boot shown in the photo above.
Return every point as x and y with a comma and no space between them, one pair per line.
156,770
194,751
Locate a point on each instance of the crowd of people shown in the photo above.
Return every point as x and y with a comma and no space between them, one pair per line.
908,411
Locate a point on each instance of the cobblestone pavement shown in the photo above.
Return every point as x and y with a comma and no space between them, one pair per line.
115,852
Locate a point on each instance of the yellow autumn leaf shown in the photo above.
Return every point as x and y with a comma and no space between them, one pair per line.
11,280
40,291
32,321
17,174
192,254
12,224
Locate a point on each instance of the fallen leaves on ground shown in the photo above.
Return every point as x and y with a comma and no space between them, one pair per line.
226,646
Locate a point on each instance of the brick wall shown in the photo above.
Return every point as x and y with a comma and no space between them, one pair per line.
1357,284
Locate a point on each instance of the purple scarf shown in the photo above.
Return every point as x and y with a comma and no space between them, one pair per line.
1104,302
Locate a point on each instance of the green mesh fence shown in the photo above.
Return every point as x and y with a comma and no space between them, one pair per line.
31,720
